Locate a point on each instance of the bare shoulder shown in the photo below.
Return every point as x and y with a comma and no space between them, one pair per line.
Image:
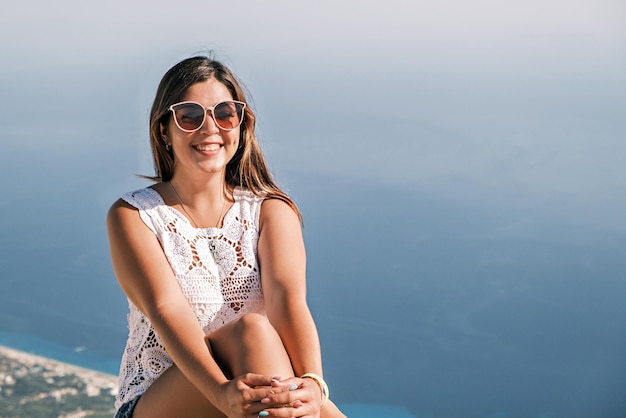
272,205
275,210
122,216
120,209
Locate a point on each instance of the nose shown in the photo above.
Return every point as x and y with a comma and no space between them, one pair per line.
209,126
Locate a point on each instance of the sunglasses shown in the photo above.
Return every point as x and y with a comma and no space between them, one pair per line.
190,116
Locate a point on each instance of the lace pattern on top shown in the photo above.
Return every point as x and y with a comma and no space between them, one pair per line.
217,271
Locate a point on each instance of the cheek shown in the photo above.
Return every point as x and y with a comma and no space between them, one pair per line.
234,139
236,147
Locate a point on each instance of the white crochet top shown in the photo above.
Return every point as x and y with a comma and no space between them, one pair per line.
216,268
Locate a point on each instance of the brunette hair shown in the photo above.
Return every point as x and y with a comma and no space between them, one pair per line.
247,168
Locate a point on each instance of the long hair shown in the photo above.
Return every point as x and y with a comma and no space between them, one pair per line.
247,168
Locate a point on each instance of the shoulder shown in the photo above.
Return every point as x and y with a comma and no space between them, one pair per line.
275,210
274,204
121,212
128,206
146,197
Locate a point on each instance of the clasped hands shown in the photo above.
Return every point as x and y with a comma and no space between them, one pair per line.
253,395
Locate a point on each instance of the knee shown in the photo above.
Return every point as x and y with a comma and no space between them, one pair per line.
255,329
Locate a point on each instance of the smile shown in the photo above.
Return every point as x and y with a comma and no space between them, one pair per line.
207,147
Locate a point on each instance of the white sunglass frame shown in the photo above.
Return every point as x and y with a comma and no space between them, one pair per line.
206,110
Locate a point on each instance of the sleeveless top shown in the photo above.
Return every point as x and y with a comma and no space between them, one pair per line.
216,268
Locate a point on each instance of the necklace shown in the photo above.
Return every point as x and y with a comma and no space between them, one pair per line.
182,205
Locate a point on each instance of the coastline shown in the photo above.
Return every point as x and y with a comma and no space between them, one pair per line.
32,360
40,387
65,353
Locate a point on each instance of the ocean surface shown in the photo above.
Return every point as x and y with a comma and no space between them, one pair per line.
465,236
432,308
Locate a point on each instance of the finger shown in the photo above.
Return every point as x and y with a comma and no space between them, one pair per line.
252,380
302,411
259,393
286,382
290,397
307,385
251,397
313,389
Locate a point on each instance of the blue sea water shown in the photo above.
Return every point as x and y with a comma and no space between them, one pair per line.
495,292
435,315
78,355
433,307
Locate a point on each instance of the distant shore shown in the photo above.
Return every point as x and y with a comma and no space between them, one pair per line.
97,377
39,387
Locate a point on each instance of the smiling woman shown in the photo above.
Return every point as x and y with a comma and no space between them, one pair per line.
212,260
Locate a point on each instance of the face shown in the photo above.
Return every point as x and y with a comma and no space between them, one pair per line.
209,149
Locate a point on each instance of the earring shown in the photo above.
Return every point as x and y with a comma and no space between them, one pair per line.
168,147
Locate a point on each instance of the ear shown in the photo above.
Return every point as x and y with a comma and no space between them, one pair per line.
163,131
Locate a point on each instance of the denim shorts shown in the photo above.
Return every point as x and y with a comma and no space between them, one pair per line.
126,410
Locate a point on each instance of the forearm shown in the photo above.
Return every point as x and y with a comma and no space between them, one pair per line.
185,342
294,323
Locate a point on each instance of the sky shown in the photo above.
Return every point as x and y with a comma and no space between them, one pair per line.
492,131
467,80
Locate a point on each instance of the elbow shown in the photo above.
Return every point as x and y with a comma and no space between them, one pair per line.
165,313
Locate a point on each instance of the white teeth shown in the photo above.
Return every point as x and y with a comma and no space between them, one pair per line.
207,147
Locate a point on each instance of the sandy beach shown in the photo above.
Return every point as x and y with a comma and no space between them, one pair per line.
35,386
100,379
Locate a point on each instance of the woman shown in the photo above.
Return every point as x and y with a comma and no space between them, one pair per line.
212,260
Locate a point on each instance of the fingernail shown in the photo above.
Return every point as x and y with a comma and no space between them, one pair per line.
293,387
277,378
297,404
265,400
264,414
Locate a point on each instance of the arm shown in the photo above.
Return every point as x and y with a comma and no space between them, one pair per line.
282,260
283,273
147,279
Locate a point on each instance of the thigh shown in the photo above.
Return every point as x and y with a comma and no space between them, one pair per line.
172,395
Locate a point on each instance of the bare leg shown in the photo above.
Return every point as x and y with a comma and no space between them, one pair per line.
172,395
254,334
249,344
256,348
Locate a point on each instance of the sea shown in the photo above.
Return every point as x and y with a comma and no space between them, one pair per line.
459,265
424,308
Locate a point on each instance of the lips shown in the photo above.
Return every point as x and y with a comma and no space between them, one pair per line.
207,147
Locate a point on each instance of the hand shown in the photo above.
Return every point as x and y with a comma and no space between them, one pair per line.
241,397
296,397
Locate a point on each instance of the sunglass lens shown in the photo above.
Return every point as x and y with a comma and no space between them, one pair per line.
228,115
189,116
